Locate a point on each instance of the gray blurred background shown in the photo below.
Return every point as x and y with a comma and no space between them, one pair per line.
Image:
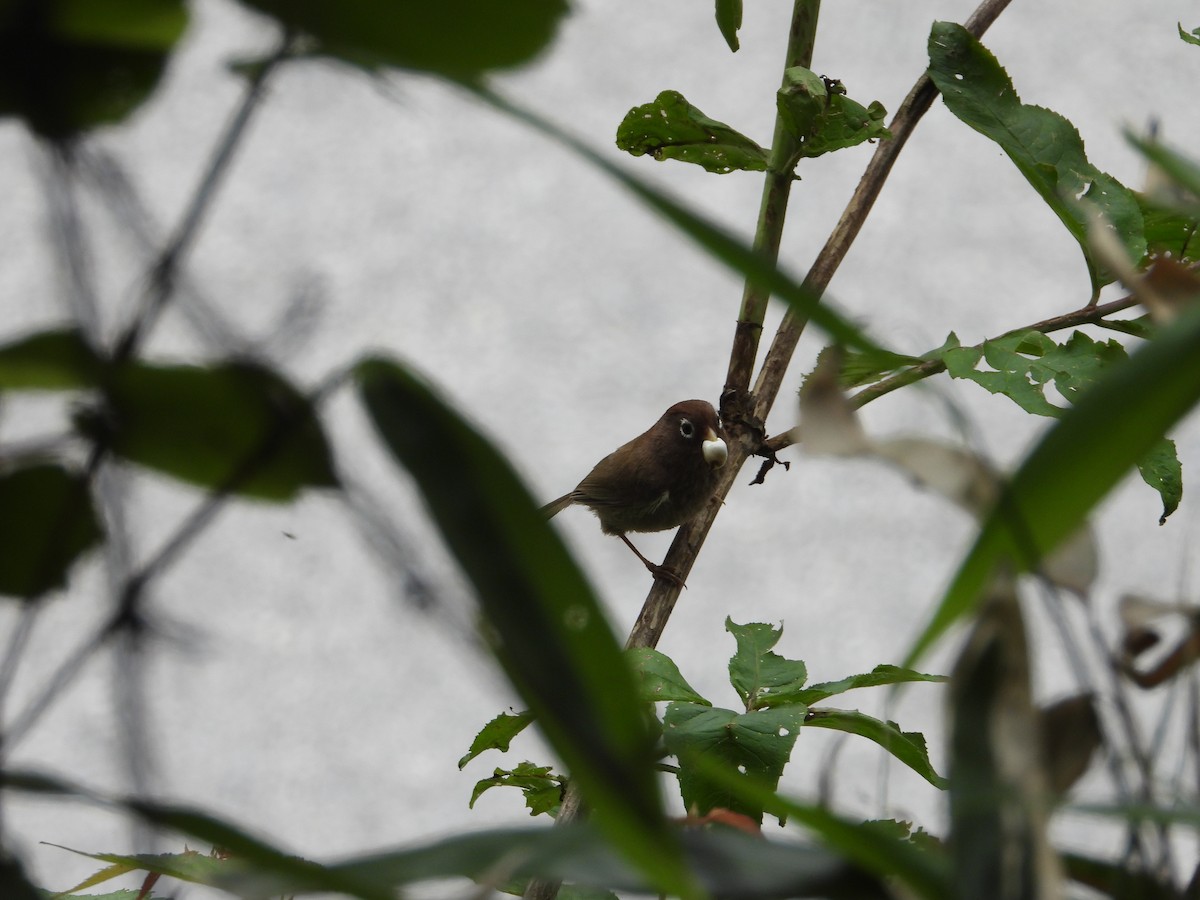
295,685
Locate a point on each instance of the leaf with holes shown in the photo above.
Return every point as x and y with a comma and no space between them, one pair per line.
671,128
756,743
1022,365
1044,146
497,735
822,118
761,677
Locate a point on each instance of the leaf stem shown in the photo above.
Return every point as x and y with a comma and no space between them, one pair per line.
777,188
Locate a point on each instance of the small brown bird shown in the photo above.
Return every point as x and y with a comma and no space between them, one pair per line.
660,479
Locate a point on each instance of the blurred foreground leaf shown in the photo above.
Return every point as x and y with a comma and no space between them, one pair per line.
69,65
232,426
544,622
49,361
46,522
460,39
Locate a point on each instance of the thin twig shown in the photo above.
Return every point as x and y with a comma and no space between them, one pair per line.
162,275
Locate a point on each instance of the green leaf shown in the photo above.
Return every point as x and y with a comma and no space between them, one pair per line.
1045,147
907,746
658,678
458,39
1076,464
1160,468
716,240
542,788
46,523
49,361
1141,327
760,677
1192,38
232,426
822,118
188,866
729,20
879,676
671,128
497,735
70,65
1023,364
546,625
757,743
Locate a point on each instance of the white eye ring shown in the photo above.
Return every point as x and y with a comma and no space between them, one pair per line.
687,429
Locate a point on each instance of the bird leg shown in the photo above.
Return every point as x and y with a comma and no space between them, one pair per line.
657,571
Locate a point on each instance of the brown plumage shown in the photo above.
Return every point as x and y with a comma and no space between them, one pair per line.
660,479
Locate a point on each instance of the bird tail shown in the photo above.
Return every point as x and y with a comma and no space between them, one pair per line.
554,508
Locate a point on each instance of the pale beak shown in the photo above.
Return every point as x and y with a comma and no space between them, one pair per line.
714,450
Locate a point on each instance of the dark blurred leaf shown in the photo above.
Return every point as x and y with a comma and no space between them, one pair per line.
998,789
497,735
757,743
729,20
922,870
1116,881
658,678
256,858
877,677
460,39
726,863
760,676
1045,147
232,426
671,128
1076,464
1071,734
546,626
822,118
67,65
46,523
50,361
543,789
907,746
13,883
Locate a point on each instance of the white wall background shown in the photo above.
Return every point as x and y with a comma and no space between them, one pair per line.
292,686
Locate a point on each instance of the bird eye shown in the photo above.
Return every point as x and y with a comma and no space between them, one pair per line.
687,429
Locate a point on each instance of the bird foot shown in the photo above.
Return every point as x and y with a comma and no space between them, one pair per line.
666,574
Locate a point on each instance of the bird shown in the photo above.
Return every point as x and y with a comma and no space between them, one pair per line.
660,479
